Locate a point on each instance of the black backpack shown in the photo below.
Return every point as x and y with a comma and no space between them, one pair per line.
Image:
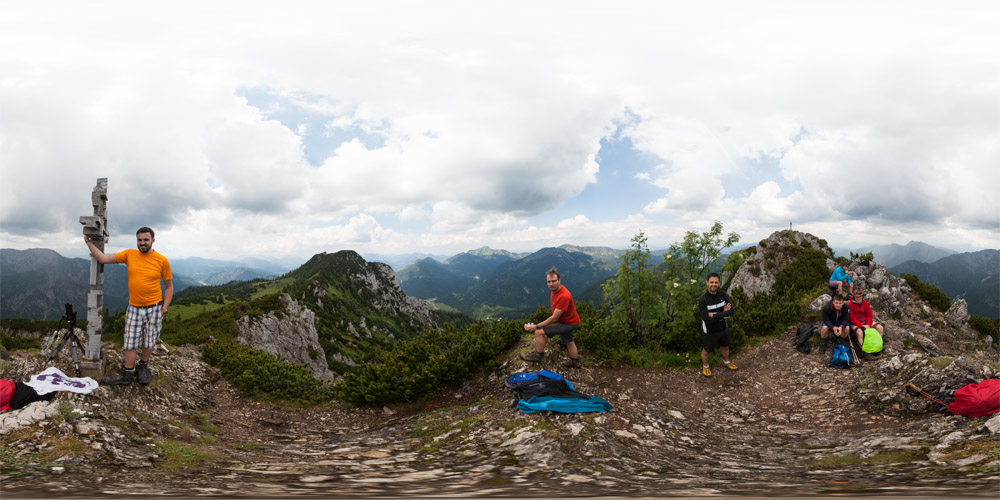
802,338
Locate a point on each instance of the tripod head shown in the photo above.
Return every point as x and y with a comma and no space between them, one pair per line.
70,316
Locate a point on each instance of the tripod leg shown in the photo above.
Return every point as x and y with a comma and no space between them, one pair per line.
60,346
76,357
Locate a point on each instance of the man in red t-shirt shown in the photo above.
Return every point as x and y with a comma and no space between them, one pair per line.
563,321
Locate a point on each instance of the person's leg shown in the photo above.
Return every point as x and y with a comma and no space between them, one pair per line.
725,354
536,355
880,328
573,352
824,332
540,341
704,357
130,355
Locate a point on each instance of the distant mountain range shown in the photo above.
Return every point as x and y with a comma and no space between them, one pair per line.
484,282
974,276
893,255
36,283
487,282
400,261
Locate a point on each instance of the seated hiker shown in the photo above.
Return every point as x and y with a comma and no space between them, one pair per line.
862,318
839,278
562,322
835,320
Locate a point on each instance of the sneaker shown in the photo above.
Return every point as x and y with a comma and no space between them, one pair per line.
143,375
706,371
570,363
731,366
124,378
533,356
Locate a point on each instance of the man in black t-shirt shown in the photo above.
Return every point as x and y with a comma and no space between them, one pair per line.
715,307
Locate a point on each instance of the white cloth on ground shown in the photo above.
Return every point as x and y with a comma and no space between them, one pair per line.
53,379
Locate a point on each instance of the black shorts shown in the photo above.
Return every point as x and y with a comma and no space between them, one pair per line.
709,341
563,330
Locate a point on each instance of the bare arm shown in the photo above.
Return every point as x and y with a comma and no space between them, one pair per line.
99,256
551,319
168,294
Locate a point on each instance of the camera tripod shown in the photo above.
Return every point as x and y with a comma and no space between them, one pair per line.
70,335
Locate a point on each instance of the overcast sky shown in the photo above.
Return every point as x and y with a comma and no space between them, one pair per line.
284,129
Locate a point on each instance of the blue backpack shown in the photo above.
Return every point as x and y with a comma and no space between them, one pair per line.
841,357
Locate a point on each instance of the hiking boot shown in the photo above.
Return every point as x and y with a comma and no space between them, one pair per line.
143,375
822,348
570,363
867,356
731,366
706,371
533,356
124,378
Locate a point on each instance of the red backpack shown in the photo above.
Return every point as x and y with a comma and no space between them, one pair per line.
977,400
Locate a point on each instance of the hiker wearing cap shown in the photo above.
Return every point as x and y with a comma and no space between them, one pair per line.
839,278
715,306
835,320
862,318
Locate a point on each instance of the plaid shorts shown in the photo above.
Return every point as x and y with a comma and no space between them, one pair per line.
142,326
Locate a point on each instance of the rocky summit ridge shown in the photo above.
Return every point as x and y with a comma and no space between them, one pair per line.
783,424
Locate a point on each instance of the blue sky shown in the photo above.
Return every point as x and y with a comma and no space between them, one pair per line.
259,129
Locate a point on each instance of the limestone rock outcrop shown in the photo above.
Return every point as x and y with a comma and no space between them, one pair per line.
760,271
289,334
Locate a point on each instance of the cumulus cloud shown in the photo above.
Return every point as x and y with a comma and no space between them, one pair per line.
488,121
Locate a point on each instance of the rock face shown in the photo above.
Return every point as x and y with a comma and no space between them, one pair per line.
289,334
759,272
381,280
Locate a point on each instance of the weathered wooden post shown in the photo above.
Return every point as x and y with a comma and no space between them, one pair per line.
96,228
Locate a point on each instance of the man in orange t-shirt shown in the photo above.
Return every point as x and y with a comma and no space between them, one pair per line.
562,322
146,304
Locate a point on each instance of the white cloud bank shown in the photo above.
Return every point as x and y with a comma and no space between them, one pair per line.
882,127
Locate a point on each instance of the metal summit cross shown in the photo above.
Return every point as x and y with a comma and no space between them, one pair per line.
96,228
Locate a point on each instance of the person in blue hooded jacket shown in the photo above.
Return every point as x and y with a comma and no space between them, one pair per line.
839,278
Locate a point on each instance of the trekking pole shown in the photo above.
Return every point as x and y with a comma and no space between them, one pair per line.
918,391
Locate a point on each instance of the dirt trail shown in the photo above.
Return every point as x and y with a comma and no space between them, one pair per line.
783,424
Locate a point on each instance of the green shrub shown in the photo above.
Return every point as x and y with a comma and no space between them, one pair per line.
255,372
863,256
806,269
19,342
36,325
932,294
425,364
763,314
986,326
597,335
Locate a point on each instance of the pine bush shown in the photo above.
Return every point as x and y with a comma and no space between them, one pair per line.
258,373
425,364
932,294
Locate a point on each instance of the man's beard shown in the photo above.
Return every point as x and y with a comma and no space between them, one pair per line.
145,249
